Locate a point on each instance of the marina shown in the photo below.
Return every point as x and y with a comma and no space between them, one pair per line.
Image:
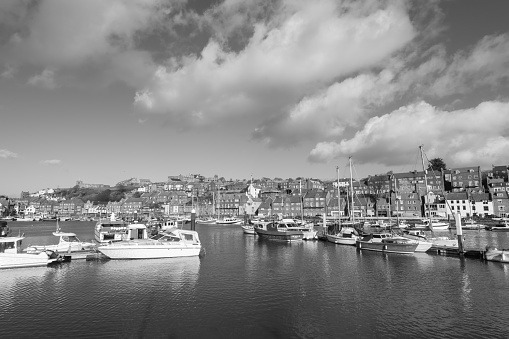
318,288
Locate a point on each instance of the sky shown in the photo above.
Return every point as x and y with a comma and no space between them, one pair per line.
103,91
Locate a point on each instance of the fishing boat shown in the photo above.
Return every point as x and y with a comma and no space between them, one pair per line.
278,230
385,242
171,243
11,255
495,254
502,226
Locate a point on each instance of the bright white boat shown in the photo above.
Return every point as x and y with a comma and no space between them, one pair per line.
24,219
206,221
248,229
11,255
169,244
68,242
495,254
418,235
346,236
229,221
295,225
435,225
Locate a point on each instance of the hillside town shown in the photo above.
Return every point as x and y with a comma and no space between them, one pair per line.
467,190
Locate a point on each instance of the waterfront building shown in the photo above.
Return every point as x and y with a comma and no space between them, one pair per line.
315,203
461,179
500,204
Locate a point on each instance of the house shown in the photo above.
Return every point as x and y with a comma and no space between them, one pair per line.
500,204
463,179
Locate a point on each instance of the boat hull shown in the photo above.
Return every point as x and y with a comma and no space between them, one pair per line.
494,254
17,260
248,229
135,251
386,247
338,239
280,236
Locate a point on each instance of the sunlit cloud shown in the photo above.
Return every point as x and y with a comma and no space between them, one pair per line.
6,154
478,135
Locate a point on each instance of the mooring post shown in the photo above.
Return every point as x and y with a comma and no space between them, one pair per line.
193,220
459,233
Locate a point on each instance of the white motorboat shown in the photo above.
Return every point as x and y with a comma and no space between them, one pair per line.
433,225
248,229
11,255
495,254
68,242
229,221
424,243
169,244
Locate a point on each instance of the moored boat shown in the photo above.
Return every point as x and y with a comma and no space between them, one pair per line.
502,226
168,244
495,254
68,242
347,235
276,230
387,243
110,230
229,221
11,255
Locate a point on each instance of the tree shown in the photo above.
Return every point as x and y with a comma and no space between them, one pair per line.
437,164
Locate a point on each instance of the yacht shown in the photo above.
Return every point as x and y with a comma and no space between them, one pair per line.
168,244
11,255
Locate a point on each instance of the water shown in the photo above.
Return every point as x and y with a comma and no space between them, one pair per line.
250,288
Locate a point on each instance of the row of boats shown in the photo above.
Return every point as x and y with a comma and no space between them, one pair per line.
407,242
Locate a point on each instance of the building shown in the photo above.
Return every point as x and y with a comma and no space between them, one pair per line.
464,179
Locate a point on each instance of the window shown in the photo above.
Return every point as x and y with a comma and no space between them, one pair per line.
464,208
486,208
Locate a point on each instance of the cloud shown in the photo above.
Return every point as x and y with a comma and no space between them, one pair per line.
83,37
6,154
484,64
46,79
300,49
51,162
9,72
456,136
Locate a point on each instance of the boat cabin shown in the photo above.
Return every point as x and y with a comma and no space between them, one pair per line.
136,231
10,244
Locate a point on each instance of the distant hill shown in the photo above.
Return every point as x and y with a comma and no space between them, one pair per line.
96,194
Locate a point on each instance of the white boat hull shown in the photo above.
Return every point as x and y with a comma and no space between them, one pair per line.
148,252
341,240
16,260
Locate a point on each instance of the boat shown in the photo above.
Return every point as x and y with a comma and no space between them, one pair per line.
347,234
248,229
470,224
502,226
11,255
432,225
229,221
24,219
308,229
68,242
278,230
495,254
110,230
424,244
206,221
168,244
386,242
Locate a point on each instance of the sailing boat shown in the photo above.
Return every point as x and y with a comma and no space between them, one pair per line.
346,235
432,225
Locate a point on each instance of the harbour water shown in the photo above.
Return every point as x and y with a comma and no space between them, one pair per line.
245,287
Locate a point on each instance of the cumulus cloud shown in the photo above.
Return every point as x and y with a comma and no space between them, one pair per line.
46,79
459,136
300,49
9,72
82,36
51,162
6,154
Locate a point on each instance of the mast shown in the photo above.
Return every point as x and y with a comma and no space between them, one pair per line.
339,200
351,189
430,225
